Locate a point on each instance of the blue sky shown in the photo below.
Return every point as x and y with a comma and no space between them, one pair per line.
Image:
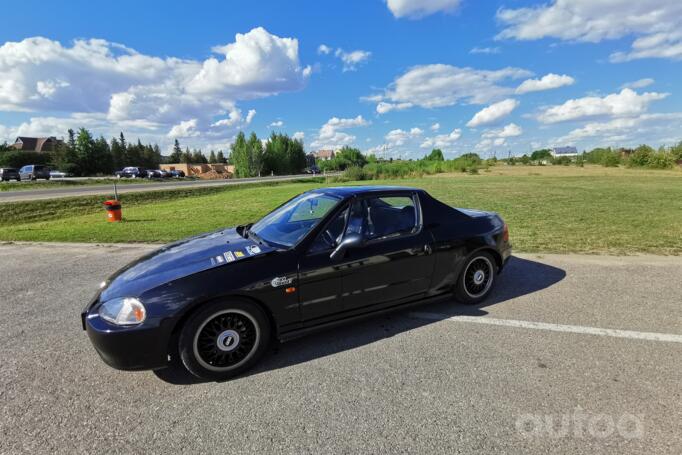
396,76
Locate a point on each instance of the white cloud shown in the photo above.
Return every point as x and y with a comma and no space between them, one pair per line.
398,138
97,77
276,124
656,23
623,104
187,128
440,85
498,137
299,135
547,82
666,45
352,59
641,83
419,8
435,127
493,113
485,50
511,130
629,131
250,115
331,135
445,142
384,107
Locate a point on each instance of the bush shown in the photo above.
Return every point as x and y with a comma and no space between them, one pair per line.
660,160
610,160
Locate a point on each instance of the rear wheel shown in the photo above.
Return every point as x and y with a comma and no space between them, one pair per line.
224,339
477,278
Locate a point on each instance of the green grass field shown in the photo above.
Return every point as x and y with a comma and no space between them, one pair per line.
549,209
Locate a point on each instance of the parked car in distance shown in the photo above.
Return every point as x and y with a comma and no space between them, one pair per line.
158,174
34,172
325,257
9,173
312,169
131,172
58,174
176,173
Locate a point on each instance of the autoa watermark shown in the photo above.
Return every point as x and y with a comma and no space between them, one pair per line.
581,424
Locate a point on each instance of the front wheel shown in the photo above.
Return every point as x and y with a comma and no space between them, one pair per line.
477,278
224,339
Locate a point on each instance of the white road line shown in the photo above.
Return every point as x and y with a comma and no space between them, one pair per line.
650,336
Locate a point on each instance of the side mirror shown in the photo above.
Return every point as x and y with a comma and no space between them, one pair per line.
352,240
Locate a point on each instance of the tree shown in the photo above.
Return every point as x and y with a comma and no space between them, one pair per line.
102,160
542,154
284,155
198,157
117,154
176,154
72,139
348,157
212,158
435,155
256,155
221,157
239,156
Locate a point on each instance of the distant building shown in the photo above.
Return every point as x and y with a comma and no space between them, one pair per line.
37,144
324,155
564,151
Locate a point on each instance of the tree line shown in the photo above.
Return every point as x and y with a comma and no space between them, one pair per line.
84,155
643,156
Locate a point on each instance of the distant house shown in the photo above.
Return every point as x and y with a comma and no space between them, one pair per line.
37,144
564,151
625,153
324,155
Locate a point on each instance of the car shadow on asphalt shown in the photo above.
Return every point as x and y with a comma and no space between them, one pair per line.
520,277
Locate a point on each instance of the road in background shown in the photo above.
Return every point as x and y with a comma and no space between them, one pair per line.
423,380
93,190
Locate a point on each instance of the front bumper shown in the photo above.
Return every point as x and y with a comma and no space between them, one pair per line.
143,347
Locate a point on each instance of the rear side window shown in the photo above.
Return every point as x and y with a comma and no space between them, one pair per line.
391,216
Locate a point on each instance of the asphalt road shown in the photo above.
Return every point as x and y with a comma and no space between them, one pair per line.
439,378
93,190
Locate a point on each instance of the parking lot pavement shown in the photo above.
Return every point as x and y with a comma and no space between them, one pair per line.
437,378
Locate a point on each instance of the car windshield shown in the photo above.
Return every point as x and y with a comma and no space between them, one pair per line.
289,223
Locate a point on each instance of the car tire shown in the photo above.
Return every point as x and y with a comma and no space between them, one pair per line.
477,278
224,339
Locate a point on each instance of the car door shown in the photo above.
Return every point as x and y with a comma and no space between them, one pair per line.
319,277
395,264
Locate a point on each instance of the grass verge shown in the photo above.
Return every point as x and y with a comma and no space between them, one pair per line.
552,209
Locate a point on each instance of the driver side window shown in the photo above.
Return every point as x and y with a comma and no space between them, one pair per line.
347,221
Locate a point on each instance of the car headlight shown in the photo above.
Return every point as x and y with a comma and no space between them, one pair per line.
123,311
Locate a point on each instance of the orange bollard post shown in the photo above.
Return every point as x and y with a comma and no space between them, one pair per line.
113,208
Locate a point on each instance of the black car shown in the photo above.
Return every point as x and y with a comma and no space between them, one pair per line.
9,173
176,173
131,172
34,172
325,257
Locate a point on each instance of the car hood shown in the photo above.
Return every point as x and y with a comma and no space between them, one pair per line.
221,248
